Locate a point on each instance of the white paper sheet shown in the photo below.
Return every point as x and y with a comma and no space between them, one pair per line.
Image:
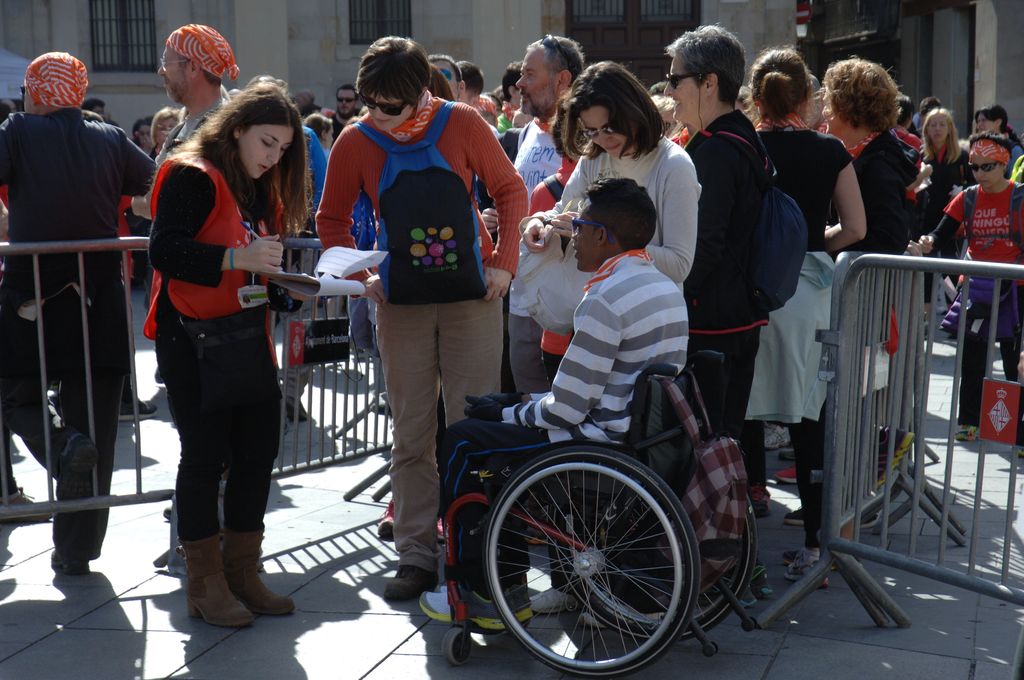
344,262
309,286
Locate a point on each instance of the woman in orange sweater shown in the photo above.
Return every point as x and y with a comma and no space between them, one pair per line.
438,293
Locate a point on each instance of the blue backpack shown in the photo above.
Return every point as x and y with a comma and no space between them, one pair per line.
427,223
780,237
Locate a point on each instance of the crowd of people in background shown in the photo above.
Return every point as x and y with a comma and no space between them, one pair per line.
869,171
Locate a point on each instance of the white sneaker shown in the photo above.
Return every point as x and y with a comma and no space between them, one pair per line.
776,437
553,601
802,563
587,619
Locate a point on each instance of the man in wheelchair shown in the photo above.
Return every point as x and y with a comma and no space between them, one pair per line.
632,316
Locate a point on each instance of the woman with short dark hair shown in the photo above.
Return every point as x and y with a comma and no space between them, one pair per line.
611,124
995,119
439,326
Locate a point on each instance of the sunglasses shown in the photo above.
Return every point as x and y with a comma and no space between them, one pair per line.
386,109
550,42
164,62
590,133
346,100
446,73
675,78
984,167
578,222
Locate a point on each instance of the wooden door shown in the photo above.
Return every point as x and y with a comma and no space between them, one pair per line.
631,32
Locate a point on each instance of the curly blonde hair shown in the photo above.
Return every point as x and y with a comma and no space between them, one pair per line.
861,93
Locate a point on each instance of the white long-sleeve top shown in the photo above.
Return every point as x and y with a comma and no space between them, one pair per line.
669,176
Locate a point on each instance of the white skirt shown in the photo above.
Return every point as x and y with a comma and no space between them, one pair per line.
786,388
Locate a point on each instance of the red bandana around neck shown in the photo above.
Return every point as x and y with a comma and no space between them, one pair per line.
857,149
608,267
790,122
426,107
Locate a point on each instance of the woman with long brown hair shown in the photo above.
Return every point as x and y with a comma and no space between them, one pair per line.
223,202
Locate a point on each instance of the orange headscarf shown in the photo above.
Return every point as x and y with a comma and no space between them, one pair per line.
57,79
989,149
206,47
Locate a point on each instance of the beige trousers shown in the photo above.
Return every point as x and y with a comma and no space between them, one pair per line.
455,347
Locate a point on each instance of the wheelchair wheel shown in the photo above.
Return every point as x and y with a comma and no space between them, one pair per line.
712,607
597,525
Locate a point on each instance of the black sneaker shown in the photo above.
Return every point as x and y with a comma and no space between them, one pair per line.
795,518
69,567
147,409
409,582
77,460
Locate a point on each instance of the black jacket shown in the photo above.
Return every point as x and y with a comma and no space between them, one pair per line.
944,177
716,289
884,170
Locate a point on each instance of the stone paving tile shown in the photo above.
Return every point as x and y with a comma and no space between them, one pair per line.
810,657
305,645
72,653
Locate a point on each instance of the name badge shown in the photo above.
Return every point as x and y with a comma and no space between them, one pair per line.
252,296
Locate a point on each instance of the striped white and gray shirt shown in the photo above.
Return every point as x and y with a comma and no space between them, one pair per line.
632,319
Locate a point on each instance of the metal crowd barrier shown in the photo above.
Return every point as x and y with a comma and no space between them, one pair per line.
921,514
345,399
346,402
9,511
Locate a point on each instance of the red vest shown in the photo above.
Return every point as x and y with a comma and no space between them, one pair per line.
224,227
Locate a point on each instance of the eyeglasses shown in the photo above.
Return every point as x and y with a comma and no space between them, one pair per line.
346,100
550,42
577,222
590,133
984,167
164,62
386,109
675,78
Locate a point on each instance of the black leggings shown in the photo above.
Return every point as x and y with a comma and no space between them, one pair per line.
243,439
972,375
808,437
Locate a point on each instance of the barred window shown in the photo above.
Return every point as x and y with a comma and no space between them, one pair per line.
372,19
123,35
598,11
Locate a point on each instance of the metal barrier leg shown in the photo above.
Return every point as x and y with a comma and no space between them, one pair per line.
853,571
933,510
367,482
384,490
876,613
797,592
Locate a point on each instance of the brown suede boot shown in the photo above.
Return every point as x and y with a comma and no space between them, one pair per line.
241,569
207,591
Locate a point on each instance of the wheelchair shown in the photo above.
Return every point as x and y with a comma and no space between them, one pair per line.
592,520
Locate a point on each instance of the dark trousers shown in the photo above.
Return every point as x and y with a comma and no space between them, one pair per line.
243,439
77,536
808,437
466,448
972,374
753,450
740,350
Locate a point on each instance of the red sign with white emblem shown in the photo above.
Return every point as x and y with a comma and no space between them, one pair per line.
1000,411
803,13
